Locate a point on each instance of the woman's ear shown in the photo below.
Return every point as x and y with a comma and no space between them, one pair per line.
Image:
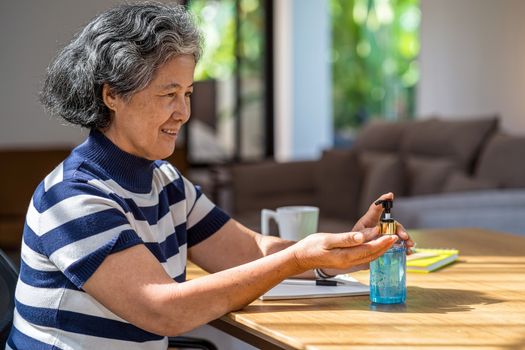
109,97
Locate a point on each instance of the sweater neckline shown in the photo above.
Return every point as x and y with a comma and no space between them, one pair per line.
129,171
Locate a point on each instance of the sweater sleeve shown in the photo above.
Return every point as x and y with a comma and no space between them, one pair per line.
77,226
204,218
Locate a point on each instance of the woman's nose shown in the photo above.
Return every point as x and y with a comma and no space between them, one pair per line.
182,110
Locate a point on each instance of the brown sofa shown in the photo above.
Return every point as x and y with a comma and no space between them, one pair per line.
423,162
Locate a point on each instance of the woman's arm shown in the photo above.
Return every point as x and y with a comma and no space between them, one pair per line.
235,244
243,263
133,285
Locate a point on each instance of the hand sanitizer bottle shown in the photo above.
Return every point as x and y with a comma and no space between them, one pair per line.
388,272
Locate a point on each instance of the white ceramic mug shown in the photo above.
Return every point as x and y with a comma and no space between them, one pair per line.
294,222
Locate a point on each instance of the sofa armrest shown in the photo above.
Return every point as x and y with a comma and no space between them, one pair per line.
271,184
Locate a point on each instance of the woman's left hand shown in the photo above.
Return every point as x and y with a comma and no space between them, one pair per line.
367,225
371,220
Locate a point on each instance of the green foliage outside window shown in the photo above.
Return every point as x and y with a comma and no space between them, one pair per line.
233,60
375,44
216,19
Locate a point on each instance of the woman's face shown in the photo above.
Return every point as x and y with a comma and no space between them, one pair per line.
147,124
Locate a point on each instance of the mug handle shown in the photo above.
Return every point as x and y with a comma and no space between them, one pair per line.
266,215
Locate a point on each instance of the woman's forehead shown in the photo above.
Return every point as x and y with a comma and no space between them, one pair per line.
175,73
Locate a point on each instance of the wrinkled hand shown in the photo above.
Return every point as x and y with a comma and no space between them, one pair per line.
341,251
351,251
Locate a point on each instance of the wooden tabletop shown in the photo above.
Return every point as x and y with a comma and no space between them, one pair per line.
476,303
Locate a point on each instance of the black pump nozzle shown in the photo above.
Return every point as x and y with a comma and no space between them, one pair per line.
387,225
386,203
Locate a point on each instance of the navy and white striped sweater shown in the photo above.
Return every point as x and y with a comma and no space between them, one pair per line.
99,201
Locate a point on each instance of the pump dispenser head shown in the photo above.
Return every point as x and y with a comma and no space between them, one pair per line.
387,225
386,203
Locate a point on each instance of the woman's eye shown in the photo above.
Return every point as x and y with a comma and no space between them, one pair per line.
174,94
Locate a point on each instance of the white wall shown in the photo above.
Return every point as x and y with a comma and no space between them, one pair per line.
303,110
473,60
31,33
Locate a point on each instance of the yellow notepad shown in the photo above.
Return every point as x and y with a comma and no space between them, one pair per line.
428,260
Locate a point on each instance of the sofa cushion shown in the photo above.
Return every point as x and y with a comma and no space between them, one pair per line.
337,179
427,175
460,182
381,136
457,140
381,173
502,161
500,210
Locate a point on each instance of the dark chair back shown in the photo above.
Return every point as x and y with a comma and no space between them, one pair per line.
183,342
8,278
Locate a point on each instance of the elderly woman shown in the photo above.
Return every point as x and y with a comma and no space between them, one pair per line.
109,231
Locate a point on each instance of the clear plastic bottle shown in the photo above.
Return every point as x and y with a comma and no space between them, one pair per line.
388,272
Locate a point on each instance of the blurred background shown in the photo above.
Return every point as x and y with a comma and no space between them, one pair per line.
289,78
280,82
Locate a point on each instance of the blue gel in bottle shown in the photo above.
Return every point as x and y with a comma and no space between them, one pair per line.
388,276
388,272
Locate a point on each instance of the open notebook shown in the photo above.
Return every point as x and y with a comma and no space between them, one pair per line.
299,289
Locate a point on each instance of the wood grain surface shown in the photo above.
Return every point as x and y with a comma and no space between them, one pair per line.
477,302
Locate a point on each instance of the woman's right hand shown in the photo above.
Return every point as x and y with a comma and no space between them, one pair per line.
341,250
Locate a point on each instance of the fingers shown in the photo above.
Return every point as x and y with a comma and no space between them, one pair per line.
384,196
372,216
377,210
403,234
343,240
363,253
370,233
373,249
354,250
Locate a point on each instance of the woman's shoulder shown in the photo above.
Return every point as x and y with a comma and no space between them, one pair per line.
68,179
168,175
166,166
167,170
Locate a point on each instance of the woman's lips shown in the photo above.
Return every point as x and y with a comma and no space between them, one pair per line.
171,132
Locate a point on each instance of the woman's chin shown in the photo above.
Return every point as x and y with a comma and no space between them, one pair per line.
166,153
163,151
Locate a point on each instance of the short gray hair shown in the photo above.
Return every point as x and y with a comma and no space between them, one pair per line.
122,47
